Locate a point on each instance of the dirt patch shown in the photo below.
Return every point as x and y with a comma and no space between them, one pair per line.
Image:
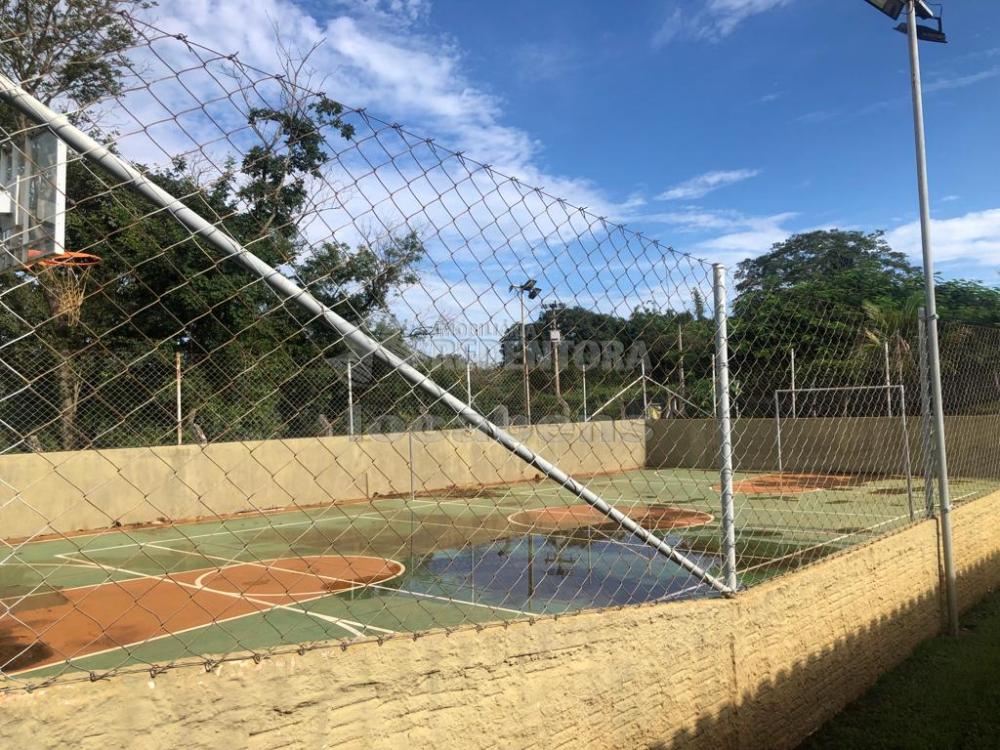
90,619
569,518
792,483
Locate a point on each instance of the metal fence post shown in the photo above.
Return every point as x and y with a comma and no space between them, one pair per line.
468,381
178,374
792,366
907,463
930,302
925,415
645,398
725,429
888,379
350,401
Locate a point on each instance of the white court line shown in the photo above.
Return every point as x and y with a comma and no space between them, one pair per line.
372,516
370,585
270,605
171,634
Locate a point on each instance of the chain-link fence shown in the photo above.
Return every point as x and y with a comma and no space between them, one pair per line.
305,378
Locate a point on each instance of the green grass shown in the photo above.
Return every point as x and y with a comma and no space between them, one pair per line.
947,695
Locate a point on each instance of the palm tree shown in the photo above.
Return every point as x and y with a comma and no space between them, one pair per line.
893,328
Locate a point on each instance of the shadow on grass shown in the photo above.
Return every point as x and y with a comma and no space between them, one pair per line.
947,695
782,710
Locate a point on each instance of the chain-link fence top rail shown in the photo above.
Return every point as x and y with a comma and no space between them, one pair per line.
202,459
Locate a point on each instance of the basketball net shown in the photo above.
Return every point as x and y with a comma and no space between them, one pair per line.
64,279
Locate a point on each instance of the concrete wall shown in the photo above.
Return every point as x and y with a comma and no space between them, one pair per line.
849,445
74,490
762,670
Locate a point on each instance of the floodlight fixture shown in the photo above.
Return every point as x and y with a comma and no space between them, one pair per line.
893,8
927,33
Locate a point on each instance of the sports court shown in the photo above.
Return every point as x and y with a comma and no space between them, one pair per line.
153,595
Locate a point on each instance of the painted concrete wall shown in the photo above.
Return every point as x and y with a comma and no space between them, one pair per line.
849,445
74,490
762,670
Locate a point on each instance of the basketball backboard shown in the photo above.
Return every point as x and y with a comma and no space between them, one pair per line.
32,198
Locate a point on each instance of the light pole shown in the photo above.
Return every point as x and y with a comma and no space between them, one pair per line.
915,33
530,288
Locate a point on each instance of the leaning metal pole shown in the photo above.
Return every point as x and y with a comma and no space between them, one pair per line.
930,303
725,428
131,178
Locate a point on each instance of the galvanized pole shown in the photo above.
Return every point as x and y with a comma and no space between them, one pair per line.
930,302
888,379
682,386
907,463
777,432
645,399
180,408
524,362
468,381
728,528
584,393
715,406
350,401
129,177
794,410
925,416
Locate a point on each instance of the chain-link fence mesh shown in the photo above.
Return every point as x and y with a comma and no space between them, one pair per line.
318,380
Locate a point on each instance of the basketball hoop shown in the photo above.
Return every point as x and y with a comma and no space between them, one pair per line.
69,260
64,280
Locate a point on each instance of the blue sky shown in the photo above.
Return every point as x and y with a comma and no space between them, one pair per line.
716,126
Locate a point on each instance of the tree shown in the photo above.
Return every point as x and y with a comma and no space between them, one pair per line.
253,366
969,302
74,50
68,48
844,267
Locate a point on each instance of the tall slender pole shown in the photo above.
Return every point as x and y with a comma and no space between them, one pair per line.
468,380
350,401
888,379
180,408
930,303
645,398
925,415
524,362
725,431
680,366
715,406
585,393
907,463
792,367
555,339
777,433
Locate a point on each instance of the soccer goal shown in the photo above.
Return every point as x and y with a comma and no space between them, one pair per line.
839,408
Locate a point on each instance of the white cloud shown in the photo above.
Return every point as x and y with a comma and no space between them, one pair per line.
703,184
973,238
715,19
754,235
959,82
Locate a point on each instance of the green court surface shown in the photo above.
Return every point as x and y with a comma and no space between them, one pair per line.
458,560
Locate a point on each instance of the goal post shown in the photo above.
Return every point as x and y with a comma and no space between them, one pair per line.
889,390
